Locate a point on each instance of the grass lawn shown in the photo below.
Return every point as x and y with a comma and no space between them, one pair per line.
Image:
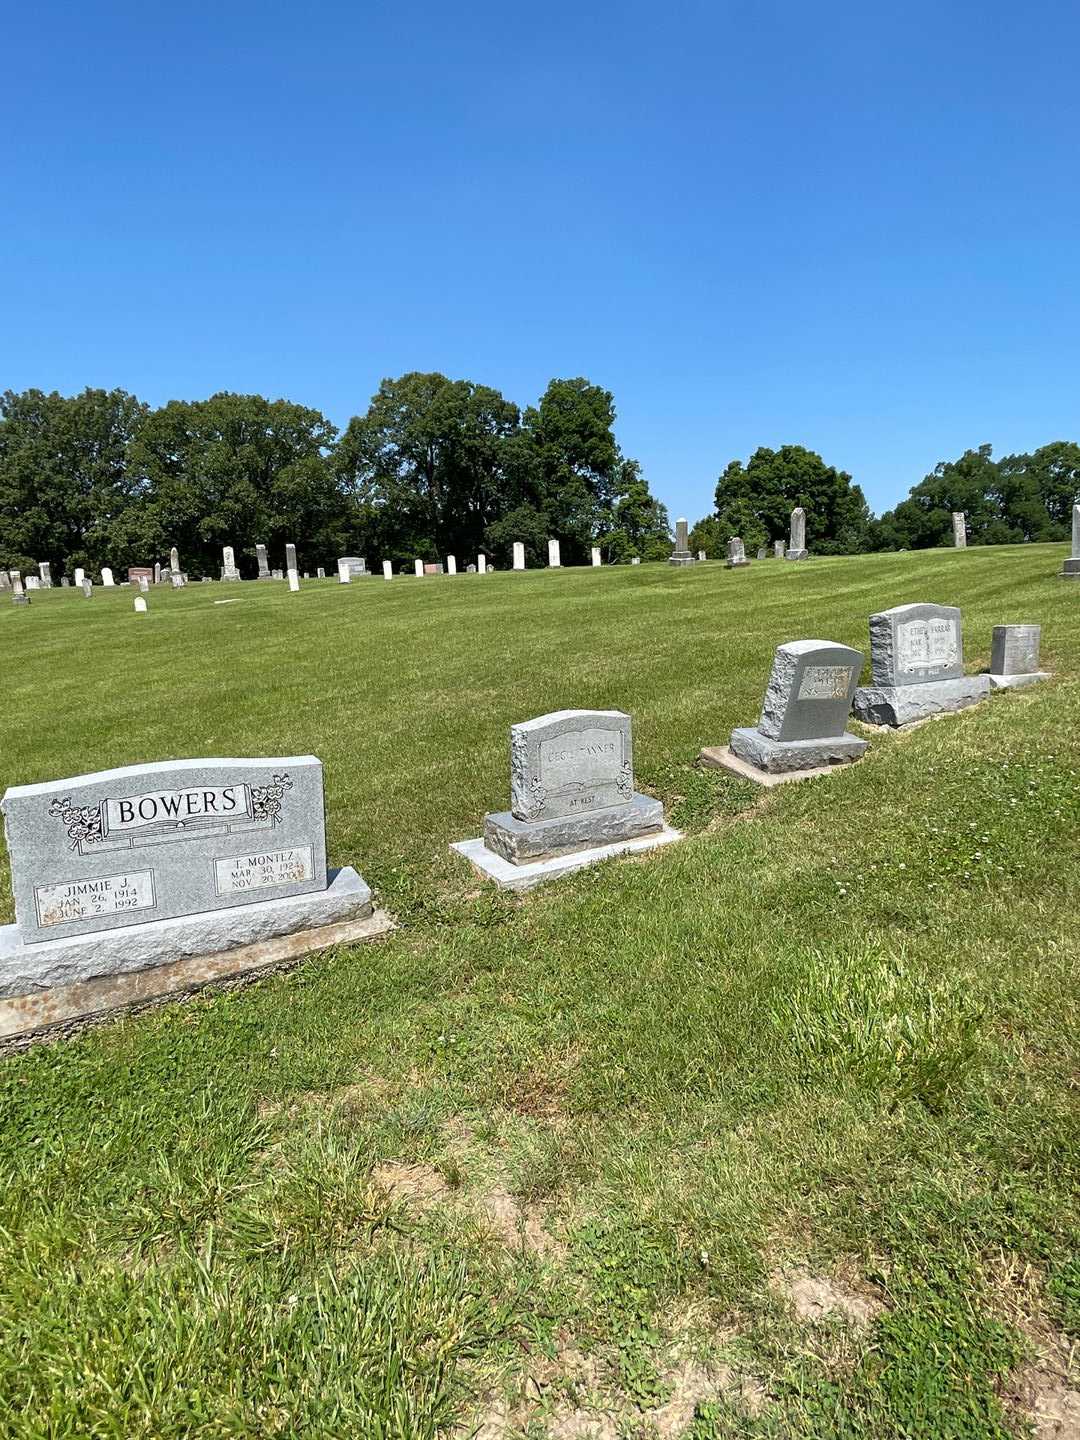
770,1133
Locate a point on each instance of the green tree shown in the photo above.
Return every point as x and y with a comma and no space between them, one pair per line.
576,469
755,501
426,465
708,535
637,523
238,470
67,494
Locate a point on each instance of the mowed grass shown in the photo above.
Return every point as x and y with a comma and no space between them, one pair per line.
771,1133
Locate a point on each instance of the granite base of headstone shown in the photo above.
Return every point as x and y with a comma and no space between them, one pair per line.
917,667
191,869
572,801
801,730
1014,657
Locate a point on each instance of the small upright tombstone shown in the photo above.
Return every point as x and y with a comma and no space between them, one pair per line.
681,554
1014,657
778,549
32,582
595,555
572,801
635,560
801,730
917,667
174,564
959,529
388,570
451,564
701,555
80,574
290,557
481,564
762,553
157,572
554,556
136,574
5,579
107,578
144,584
418,569
87,586
176,580
264,567
294,579
1070,568
64,582
519,555
736,553
274,575
320,572
797,549
45,574
228,564
140,604
18,590
344,575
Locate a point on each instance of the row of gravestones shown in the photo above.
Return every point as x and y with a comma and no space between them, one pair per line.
136,882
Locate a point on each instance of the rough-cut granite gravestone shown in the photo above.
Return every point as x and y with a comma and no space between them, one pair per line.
264,568
554,555
959,529
807,703
1070,569
1014,657
571,793
228,564
736,553
142,866
917,667
519,555
797,549
681,554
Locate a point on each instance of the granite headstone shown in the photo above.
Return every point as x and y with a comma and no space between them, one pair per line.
917,667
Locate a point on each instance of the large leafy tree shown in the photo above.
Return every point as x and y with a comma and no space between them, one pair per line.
67,494
639,524
575,472
425,465
755,501
237,470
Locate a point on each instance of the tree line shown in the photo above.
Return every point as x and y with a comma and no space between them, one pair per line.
1019,498
437,466
434,466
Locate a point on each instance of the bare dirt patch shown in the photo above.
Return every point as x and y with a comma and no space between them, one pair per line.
420,1186
817,1297
518,1226
1045,1390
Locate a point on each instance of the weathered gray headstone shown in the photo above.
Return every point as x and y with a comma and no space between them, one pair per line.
1070,568
519,555
917,666
1014,657
736,553
701,554
355,565
144,584
87,586
681,554
80,574
635,560
595,555
264,568
418,568
32,582
807,703
451,564
469,570
140,604
5,579
959,529
290,558
481,564
228,564
65,582
137,867
554,556
388,570
45,574
157,572
174,561
277,575
571,790
762,553
778,549
107,578
18,589
797,549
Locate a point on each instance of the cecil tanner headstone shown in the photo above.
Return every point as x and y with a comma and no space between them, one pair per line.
572,800
149,865
807,703
917,667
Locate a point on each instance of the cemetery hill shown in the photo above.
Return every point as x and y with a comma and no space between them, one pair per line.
763,1123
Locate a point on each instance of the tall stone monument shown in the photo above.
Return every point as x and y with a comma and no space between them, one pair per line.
18,589
228,564
1070,568
736,554
451,564
264,568
1014,657
418,569
572,801
45,574
387,570
801,730
290,558
681,554
554,556
917,667
481,563
797,549
191,869
595,554
959,529
519,555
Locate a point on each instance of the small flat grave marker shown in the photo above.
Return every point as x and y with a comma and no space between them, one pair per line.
1014,657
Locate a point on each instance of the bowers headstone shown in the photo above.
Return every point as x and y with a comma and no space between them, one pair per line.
806,706
571,794
917,666
1014,657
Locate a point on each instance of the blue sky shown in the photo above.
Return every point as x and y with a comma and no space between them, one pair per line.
854,227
